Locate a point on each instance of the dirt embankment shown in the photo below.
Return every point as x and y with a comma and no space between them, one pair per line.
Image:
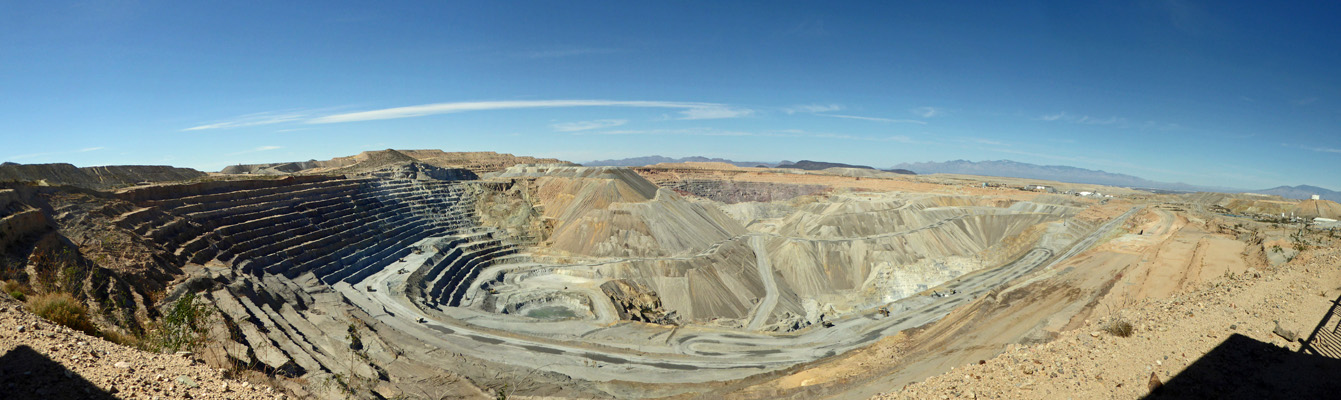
42,360
1215,340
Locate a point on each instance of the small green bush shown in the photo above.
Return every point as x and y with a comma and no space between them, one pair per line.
15,290
183,326
62,308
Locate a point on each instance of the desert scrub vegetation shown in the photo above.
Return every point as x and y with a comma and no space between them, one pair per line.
63,309
15,290
1119,328
182,327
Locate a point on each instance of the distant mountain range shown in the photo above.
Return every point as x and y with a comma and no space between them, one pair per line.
1061,173
1303,192
803,164
819,165
1004,168
649,160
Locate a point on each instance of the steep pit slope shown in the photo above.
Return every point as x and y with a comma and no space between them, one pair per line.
267,253
104,177
56,239
613,212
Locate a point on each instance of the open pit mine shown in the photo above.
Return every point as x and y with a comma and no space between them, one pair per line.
431,274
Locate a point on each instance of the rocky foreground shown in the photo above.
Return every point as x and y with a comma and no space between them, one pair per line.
1237,337
43,360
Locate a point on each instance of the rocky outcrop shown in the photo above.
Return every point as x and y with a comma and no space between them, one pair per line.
420,171
732,192
637,302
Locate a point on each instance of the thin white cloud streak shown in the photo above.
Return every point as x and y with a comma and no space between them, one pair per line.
715,113
52,153
588,125
1081,119
563,52
257,119
690,110
858,117
256,150
812,108
1313,148
687,132
928,112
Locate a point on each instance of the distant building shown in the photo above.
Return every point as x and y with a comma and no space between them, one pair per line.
1316,197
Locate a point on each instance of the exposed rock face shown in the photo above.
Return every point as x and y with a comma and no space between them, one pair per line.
731,192
637,302
77,249
420,171
614,212
94,177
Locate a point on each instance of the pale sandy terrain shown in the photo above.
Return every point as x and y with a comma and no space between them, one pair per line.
1171,333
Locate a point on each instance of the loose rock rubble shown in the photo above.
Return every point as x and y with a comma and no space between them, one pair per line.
43,360
1170,335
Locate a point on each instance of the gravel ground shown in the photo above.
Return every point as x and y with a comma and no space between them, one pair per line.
42,360
1233,319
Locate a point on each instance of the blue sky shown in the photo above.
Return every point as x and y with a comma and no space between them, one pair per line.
1211,93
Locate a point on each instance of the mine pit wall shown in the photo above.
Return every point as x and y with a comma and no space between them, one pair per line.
264,252
732,192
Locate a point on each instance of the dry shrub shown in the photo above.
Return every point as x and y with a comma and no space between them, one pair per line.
15,289
62,308
1119,328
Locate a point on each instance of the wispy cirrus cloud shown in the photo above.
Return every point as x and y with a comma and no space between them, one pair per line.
686,132
929,112
812,108
1081,119
588,125
689,110
1319,149
876,119
825,110
256,150
560,52
52,153
255,119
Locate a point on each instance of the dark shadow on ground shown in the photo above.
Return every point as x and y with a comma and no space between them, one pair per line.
1326,338
27,374
1244,368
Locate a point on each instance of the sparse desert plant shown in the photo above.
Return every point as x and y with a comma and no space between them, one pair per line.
183,326
122,339
15,290
1119,328
64,309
